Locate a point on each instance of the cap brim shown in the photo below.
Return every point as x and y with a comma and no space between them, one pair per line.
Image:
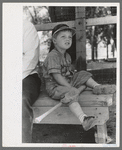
65,28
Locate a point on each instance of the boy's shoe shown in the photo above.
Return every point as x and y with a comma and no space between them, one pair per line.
88,122
104,89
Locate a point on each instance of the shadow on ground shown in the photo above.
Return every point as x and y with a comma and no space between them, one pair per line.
52,133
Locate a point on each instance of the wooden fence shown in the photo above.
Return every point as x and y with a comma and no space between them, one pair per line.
80,23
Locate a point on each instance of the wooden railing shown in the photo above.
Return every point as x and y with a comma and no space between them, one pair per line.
89,22
80,24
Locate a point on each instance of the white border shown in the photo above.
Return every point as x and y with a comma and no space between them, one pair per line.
12,86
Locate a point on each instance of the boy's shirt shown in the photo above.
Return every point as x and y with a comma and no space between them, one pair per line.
57,63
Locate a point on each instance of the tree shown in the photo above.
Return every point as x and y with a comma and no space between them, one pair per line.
37,14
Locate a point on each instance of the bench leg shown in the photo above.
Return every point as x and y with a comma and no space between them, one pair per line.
101,135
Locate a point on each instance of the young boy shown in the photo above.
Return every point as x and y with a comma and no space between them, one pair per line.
61,82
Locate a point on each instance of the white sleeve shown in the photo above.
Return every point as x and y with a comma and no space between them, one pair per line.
30,48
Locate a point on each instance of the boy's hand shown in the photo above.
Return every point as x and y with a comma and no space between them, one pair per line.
72,95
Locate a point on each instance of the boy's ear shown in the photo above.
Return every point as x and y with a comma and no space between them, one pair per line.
54,40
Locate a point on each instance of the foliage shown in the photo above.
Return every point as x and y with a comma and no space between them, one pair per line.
37,14
94,12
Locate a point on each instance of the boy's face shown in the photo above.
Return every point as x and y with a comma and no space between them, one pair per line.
63,40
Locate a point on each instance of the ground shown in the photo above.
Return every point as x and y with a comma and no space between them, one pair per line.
72,133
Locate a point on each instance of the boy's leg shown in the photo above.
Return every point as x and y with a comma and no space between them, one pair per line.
30,92
82,88
91,83
72,97
100,89
104,89
85,120
83,77
79,79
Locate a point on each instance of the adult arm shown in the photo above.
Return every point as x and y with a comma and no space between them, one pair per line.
30,48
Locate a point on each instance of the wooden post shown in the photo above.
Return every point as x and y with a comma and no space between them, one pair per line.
80,38
92,41
101,134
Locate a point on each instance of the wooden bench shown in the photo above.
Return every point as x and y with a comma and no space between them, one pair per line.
91,104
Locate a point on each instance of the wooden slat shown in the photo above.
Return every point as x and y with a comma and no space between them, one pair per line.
63,115
89,22
50,26
101,21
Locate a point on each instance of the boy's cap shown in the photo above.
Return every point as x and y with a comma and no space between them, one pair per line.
62,27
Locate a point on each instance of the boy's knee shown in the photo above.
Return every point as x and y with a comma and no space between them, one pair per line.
59,92
71,96
69,101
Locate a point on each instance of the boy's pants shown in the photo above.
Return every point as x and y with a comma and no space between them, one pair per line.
30,92
58,92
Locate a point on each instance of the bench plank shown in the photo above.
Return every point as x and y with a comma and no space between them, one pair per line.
63,115
91,104
86,99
